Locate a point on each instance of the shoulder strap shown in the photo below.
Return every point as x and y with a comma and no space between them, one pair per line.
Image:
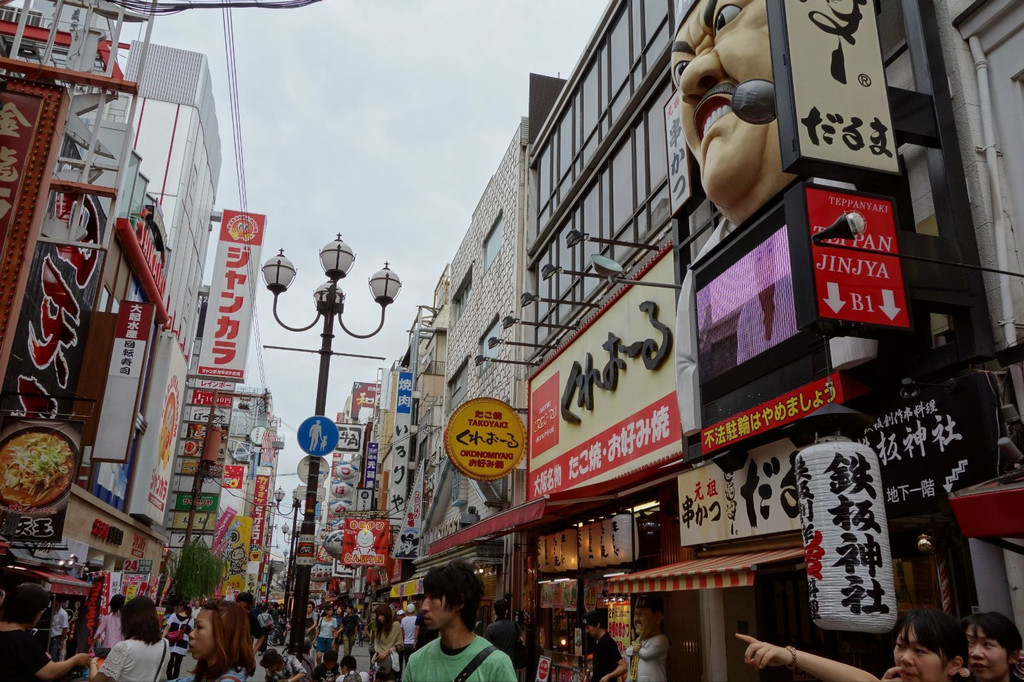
160,667
474,664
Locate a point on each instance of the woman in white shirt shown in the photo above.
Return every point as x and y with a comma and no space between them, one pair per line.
141,656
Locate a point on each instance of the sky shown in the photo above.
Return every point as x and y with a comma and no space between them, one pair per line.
379,119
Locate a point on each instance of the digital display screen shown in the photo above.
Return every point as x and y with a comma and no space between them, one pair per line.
747,309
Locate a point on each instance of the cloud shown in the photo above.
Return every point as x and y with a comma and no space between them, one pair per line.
379,119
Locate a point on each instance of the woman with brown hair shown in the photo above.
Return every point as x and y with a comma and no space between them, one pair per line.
221,644
141,655
389,639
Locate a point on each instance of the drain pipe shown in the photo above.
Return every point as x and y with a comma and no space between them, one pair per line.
998,219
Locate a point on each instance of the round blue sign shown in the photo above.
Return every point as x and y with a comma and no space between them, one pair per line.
317,436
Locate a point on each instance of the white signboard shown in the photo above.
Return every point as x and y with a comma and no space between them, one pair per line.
679,189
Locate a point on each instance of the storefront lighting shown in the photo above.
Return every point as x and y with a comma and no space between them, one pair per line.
508,322
574,237
610,575
604,268
527,298
494,342
539,582
562,580
646,505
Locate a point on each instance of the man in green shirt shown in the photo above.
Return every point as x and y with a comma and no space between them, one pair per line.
451,597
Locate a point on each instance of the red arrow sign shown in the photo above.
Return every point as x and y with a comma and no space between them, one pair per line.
852,285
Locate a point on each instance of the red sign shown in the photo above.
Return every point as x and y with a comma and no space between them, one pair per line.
365,542
138,546
363,395
233,475
855,286
779,411
639,434
204,398
18,117
544,415
260,497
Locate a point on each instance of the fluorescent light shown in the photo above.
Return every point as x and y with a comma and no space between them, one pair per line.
562,580
609,575
541,582
646,505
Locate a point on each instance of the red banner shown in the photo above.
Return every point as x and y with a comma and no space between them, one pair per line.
363,395
260,497
365,542
233,476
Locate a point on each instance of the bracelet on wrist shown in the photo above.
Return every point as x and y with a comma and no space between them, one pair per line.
792,652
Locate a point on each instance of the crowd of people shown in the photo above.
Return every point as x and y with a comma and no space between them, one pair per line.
434,639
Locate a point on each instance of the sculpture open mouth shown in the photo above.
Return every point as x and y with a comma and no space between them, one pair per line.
716,103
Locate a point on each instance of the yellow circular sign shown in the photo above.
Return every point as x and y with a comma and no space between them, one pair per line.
485,439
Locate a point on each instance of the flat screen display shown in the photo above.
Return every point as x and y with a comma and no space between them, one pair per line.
747,309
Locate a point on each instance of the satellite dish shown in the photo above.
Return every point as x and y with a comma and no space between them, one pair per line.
606,267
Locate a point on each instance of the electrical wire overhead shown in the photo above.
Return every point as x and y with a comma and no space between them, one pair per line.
164,8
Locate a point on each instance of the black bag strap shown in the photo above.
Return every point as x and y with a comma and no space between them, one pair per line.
161,666
474,664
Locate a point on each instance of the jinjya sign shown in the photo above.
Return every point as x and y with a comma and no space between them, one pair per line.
935,442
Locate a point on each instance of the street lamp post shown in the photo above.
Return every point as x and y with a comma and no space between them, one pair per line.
291,534
336,258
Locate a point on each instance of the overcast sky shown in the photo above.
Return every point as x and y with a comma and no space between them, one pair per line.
379,119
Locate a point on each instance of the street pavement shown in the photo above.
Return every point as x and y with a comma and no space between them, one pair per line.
361,653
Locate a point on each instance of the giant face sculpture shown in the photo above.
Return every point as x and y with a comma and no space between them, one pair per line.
721,44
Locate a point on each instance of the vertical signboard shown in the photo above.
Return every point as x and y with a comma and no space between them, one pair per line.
399,482
833,106
232,292
117,417
237,555
370,476
678,154
407,542
153,464
363,395
260,497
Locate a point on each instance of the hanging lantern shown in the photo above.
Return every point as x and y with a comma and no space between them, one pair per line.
621,539
846,537
606,557
583,545
570,555
542,554
344,470
341,488
333,543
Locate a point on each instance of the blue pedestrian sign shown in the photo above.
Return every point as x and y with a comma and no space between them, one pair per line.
317,436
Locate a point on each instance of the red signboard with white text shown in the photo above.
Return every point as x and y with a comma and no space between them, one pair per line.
858,286
232,292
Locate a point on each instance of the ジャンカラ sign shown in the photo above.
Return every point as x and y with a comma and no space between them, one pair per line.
485,439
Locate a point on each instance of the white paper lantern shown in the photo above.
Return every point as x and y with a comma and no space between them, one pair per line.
333,543
846,537
622,539
345,470
341,488
544,548
606,555
584,545
568,557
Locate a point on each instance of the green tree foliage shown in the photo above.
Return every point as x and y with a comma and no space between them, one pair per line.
196,571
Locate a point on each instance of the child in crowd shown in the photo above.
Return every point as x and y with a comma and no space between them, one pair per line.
284,668
327,671
348,670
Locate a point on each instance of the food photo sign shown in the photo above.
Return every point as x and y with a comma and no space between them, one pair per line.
39,460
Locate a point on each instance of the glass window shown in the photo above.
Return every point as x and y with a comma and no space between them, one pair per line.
618,43
654,14
457,387
565,144
637,20
657,154
544,171
622,185
591,101
495,238
485,347
640,164
462,296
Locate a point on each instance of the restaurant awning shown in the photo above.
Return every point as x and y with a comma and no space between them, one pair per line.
596,494
991,509
57,583
732,570
410,588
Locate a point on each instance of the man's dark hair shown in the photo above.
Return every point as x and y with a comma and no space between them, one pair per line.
331,656
501,608
593,619
25,602
246,598
271,658
348,662
458,587
139,620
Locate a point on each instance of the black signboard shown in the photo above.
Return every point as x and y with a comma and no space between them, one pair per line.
934,440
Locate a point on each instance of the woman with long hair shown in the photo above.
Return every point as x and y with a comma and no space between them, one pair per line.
221,644
109,629
24,658
390,638
141,655
993,645
930,647
176,632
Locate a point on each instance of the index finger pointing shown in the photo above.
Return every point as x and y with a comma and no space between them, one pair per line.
747,638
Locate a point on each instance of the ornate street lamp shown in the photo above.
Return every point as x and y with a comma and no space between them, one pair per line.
336,259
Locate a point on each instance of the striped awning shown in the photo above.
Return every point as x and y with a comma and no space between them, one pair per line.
732,570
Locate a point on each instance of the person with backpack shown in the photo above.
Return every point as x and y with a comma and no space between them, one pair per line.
451,597
504,634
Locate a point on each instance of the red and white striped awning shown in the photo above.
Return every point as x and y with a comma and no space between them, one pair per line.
732,570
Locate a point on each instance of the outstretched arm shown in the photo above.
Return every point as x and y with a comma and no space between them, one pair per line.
761,654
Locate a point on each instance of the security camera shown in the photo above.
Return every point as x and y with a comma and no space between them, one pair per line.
1010,455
